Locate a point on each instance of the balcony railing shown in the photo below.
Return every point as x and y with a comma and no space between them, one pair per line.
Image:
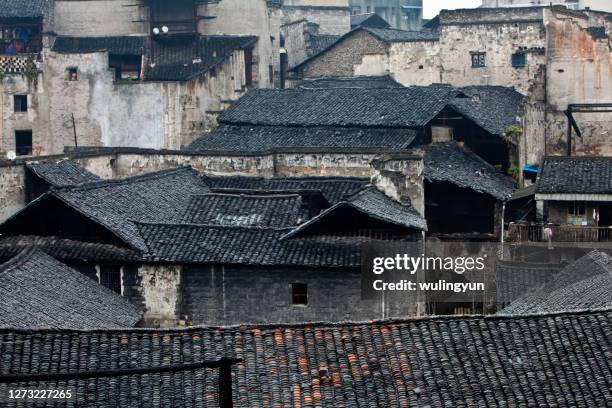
17,64
560,233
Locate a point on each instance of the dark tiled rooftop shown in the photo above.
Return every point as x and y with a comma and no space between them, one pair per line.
395,35
265,138
578,175
368,20
374,204
320,42
161,196
21,8
193,244
36,291
446,162
367,82
62,173
333,188
472,361
402,107
583,284
514,279
169,61
244,210
67,250
493,108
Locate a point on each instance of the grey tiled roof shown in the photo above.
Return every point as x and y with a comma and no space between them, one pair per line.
493,108
333,188
368,20
21,8
578,175
162,196
36,291
402,107
266,138
244,210
395,35
583,284
556,360
374,204
168,61
62,173
193,244
514,279
67,250
382,81
446,162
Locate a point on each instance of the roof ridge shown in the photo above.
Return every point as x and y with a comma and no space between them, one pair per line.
320,324
228,227
19,259
597,255
243,195
126,180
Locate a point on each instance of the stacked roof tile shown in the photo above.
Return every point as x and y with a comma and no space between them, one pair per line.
67,250
267,138
244,210
320,42
167,60
411,107
575,175
395,35
21,8
382,81
583,284
36,291
62,173
206,244
374,204
333,188
446,162
471,361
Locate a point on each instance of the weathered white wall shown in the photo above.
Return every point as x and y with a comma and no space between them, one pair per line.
415,63
160,286
100,17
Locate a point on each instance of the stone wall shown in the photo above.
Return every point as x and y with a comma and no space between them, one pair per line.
12,190
227,295
360,49
159,291
100,17
415,63
331,20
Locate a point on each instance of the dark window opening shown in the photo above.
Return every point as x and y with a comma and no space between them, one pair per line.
248,66
126,67
519,60
20,103
110,277
23,142
20,38
73,74
478,59
299,293
178,17
271,73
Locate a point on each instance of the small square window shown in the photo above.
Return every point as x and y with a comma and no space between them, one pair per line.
23,142
519,60
478,59
20,103
299,293
73,74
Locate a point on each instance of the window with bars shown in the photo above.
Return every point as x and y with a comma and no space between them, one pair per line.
299,293
20,103
519,60
478,59
110,276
